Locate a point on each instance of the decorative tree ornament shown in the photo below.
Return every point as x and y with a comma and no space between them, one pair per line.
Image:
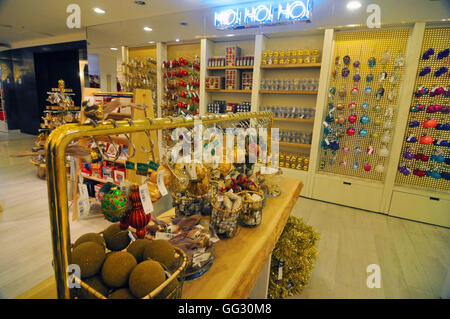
377,108
380,93
355,91
384,152
364,106
346,60
426,139
440,71
379,168
114,204
431,123
425,71
356,78
352,105
362,132
364,119
372,61
352,118
383,76
428,53
138,219
332,91
421,91
340,106
356,64
369,77
345,72
386,57
342,92
367,167
351,131
443,54
399,60
368,91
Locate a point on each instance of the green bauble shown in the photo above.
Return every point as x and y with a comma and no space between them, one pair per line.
114,205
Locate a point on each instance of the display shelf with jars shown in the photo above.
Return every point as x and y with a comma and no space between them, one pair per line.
288,86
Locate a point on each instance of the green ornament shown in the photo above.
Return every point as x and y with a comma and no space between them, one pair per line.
114,205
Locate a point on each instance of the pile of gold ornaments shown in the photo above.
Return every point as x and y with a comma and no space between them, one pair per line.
297,249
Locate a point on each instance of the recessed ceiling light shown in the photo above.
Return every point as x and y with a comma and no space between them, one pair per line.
353,5
114,49
99,11
151,41
140,3
177,40
148,29
230,35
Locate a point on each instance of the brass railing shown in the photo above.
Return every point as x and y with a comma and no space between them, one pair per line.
55,149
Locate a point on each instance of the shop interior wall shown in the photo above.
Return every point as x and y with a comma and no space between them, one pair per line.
34,71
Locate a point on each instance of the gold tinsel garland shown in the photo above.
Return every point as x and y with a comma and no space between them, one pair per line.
295,251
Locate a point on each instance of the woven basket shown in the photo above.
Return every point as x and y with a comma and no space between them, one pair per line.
224,222
177,272
251,214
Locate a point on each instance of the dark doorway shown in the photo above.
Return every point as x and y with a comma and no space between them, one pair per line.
53,66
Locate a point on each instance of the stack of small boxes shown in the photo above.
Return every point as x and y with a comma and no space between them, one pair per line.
232,79
216,107
294,161
247,80
215,82
290,56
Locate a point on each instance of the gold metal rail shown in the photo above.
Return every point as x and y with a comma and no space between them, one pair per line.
55,150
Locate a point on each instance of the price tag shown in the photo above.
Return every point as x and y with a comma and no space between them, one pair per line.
145,199
163,236
280,272
83,201
193,171
131,236
160,182
220,198
130,165
153,166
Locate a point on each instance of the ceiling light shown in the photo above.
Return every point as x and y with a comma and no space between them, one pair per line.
99,11
177,40
351,25
230,35
114,49
353,5
148,29
151,41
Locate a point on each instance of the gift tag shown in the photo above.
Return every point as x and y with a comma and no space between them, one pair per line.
160,182
192,171
145,199
164,236
280,272
220,198
131,236
83,201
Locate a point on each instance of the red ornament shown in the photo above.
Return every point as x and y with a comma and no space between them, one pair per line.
138,219
426,139
429,123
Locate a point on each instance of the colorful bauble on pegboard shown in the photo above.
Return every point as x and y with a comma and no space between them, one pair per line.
114,205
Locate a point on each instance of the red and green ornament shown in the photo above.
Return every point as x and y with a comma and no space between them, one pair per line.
114,205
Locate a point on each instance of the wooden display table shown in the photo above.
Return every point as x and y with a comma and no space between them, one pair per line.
238,261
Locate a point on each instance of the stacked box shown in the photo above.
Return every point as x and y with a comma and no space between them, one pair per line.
216,61
245,61
216,107
232,54
243,107
247,80
215,82
232,79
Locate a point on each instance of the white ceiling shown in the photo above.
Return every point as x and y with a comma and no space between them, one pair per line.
22,20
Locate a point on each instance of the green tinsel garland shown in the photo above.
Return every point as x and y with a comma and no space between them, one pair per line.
297,250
